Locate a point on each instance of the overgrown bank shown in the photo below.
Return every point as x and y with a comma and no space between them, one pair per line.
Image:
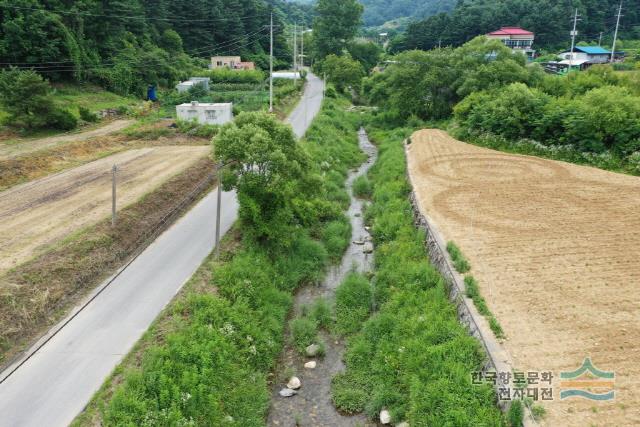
412,356
208,359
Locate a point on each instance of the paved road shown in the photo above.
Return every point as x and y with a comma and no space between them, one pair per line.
55,384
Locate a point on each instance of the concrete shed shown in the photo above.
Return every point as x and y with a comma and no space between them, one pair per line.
204,113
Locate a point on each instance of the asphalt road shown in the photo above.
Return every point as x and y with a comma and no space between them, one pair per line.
52,386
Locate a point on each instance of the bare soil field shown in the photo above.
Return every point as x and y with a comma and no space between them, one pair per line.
12,148
40,213
556,250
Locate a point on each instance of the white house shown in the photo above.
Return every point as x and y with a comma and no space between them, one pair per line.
516,39
289,75
207,114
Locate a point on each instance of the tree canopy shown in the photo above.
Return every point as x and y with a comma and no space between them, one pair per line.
335,25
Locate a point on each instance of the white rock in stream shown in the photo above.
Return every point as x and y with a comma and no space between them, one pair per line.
312,350
403,424
358,242
385,417
294,383
287,392
368,248
311,365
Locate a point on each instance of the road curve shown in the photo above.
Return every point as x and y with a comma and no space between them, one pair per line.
53,385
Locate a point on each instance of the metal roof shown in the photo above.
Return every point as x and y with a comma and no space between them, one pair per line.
593,50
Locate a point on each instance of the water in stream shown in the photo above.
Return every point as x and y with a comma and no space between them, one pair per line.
312,405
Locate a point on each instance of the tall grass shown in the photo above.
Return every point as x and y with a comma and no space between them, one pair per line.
460,263
412,356
473,292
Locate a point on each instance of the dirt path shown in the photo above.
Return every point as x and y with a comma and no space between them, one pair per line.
20,147
40,213
555,248
312,405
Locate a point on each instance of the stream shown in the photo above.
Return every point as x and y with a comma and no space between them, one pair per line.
312,406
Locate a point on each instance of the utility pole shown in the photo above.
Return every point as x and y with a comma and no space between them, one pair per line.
574,33
218,209
295,51
271,69
114,171
600,40
615,37
302,54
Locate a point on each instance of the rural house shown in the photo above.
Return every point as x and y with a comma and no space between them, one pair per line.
206,114
231,62
587,54
516,38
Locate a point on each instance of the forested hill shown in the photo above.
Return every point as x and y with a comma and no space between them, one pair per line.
377,12
121,43
551,20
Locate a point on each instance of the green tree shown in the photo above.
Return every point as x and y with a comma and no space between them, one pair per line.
343,71
336,24
367,53
266,166
26,96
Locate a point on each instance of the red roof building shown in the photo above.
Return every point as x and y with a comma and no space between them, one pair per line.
516,38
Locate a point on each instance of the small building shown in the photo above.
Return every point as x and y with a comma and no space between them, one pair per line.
225,62
588,54
517,39
193,81
204,113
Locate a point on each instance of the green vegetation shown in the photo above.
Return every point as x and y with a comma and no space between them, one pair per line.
460,263
342,71
547,18
336,236
377,12
362,187
304,332
353,303
335,25
412,356
473,292
212,358
515,414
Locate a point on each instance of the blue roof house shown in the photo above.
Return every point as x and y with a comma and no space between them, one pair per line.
587,55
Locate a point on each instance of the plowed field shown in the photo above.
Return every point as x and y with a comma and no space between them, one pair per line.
556,250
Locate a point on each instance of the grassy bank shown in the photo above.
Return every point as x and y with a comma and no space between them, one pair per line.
412,356
207,360
35,295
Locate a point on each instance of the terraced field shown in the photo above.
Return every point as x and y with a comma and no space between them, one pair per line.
556,250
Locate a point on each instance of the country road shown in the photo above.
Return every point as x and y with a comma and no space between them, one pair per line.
53,385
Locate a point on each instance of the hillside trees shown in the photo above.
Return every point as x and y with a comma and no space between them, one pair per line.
335,25
549,19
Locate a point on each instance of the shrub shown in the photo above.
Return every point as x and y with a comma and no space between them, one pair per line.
362,187
337,236
348,396
87,115
62,119
304,332
515,415
353,303
460,263
320,312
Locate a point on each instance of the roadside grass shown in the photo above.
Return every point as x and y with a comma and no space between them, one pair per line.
36,294
94,98
213,364
460,263
412,356
473,292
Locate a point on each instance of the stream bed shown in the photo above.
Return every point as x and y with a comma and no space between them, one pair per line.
312,405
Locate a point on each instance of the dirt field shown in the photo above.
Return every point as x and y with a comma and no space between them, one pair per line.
40,213
556,249
20,147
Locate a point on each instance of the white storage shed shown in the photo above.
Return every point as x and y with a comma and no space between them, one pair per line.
203,113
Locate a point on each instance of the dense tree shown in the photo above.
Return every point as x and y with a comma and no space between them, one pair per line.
377,12
343,71
335,25
367,53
